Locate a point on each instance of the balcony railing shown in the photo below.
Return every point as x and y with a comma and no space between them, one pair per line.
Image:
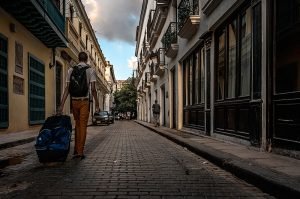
41,17
188,18
158,21
149,24
51,10
147,79
169,40
187,8
170,36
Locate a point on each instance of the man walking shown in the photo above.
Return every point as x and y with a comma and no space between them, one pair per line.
79,79
156,112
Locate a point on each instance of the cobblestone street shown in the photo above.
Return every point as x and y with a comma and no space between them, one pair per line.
125,160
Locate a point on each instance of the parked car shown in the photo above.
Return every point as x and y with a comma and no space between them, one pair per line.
117,117
111,118
101,117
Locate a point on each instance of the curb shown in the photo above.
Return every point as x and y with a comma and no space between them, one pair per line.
16,143
267,180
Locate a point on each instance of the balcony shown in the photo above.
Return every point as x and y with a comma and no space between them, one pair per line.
144,88
147,79
153,77
157,23
169,40
102,83
41,18
209,6
188,18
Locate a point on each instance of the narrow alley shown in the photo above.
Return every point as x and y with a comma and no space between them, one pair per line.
124,160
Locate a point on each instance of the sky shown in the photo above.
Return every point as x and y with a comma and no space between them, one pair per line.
115,22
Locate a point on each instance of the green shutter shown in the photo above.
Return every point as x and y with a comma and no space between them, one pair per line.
3,83
36,91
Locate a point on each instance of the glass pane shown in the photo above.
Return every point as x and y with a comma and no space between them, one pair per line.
197,82
187,67
246,35
202,76
232,44
220,68
287,74
191,81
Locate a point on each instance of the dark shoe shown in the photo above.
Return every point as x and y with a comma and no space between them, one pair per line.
75,156
82,157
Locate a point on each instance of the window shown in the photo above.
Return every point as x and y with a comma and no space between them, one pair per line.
287,71
202,76
80,29
36,91
71,12
232,44
246,35
194,78
234,56
86,41
221,67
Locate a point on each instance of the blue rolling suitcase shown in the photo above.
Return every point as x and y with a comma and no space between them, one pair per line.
53,141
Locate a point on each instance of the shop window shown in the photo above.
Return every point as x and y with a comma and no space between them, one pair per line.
287,73
194,78
234,56
232,45
202,76
221,67
246,35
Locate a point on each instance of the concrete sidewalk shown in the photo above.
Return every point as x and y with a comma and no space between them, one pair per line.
274,174
8,140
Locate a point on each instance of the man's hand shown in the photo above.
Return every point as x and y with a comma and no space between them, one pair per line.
59,110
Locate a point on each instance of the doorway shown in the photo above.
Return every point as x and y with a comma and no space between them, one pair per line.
173,76
163,105
285,73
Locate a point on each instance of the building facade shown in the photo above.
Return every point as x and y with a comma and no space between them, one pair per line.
226,69
111,79
39,41
28,41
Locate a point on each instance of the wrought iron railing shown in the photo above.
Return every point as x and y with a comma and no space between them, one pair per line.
53,13
152,69
170,37
149,24
187,8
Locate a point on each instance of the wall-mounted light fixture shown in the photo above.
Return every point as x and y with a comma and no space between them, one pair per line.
53,63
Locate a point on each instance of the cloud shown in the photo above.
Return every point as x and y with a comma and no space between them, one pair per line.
132,63
114,19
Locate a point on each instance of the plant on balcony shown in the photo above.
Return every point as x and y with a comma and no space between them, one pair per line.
170,36
187,8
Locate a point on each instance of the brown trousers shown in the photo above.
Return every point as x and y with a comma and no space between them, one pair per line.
81,115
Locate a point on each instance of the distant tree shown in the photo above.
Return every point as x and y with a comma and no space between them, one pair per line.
125,99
